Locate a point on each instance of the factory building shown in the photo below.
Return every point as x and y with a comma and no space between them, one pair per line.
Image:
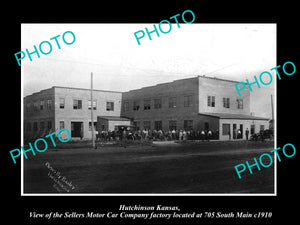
197,103
63,107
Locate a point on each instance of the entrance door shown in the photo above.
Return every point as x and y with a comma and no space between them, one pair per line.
206,126
234,135
76,129
241,129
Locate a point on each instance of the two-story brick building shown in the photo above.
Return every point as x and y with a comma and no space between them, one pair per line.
63,107
198,103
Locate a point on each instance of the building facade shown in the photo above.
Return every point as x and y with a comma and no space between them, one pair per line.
63,107
199,104
195,104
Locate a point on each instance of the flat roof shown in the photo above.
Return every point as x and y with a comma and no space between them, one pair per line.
85,89
114,118
190,78
233,116
215,78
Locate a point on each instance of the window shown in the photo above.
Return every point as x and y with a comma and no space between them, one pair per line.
61,124
147,104
35,126
172,125
226,102
77,104
188,124
28,127
42,103
126,106
94,104
225,129
90,126
35,106
109,106
136,105
61,103
211,101
42,125
28,105
158,125
157,103
137,125
49,104
187,101
147,125
172,102
262,127
49,125
252,129
239,103
206,126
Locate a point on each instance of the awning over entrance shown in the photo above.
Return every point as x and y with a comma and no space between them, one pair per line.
105,123
233,116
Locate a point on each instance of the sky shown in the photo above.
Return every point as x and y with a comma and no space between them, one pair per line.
118,63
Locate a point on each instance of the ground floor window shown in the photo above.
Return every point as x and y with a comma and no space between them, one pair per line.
172,125
147,125
225,129
188,124
90,126
252,129
137,125
49,125
28,126
158,125
61,124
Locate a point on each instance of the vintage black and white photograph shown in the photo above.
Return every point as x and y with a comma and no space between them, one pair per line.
148,113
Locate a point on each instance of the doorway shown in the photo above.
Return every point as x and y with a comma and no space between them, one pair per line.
234,135
77,129
241,129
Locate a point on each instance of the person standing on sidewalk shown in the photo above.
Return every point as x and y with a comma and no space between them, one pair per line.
247,133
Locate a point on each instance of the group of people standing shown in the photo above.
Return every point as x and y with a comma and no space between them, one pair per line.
157,135
237,134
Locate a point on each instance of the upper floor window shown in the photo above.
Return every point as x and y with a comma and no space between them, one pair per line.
109,106
240,103
172,102
94,104
49,104
28,106
147,104
126,106
136,105
42,103
211,101
77,104
187,101
226,102
35,106
157,103
61,103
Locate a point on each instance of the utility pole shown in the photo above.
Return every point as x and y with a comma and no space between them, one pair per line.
92,106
